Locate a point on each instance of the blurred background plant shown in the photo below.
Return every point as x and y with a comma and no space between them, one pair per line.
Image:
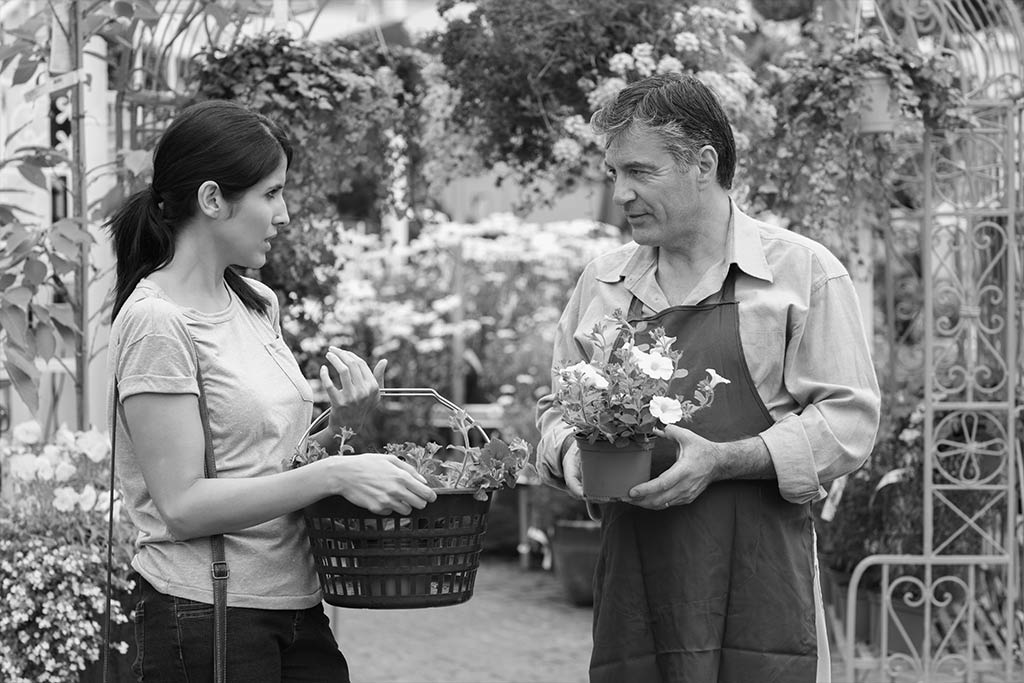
53,571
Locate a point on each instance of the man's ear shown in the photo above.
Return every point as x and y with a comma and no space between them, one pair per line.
707,165
211,201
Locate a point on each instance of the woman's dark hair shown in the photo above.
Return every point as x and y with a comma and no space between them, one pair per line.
216,140
679,108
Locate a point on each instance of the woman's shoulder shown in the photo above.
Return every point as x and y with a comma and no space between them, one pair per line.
147,310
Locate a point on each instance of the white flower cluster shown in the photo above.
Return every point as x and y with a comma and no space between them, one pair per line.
54,603
58,463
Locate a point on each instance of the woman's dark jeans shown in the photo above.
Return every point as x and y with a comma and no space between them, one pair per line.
175,642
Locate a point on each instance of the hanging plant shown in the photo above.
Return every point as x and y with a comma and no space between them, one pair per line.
829,150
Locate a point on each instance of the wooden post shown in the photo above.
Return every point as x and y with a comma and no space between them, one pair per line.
458,313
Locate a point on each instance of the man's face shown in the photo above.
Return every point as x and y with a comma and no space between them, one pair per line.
660,199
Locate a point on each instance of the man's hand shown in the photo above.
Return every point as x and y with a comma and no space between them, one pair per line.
572,471
695,467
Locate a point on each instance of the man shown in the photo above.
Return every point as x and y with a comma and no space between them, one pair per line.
708,572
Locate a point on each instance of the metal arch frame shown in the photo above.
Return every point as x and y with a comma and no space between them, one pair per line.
971,239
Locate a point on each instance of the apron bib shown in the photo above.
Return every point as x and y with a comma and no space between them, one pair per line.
720,589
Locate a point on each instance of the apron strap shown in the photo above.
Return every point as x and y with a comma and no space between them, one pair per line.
727,294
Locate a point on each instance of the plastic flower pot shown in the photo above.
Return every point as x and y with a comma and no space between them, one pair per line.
610,471
876,115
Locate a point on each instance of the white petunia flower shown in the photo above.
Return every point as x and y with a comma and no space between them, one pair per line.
666,409
64,471
87,498
22,466
44,469
654,364
686,41
643,59
28,432
715,379
94,444
65,498
566,149
586,374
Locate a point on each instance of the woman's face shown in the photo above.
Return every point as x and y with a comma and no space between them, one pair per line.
254,220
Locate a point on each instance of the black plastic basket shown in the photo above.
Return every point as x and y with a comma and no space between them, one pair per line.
428,558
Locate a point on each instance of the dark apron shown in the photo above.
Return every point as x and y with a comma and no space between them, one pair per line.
720,589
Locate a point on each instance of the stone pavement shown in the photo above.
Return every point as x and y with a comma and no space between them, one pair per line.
518,627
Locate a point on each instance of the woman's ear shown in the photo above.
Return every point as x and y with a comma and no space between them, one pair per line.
707,165
211,201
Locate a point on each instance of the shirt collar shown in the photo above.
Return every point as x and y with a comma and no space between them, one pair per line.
743,245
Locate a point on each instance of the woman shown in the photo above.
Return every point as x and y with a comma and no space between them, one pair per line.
187,326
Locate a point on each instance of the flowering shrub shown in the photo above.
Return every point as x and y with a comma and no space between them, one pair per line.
621,395
53,530
528,79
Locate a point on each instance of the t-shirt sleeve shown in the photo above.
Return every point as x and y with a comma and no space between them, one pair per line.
156,354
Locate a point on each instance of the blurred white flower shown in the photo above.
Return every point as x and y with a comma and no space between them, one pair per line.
65,498
87,498
28,432
22,466
643,58
64,438
666,409
566,149
64,471
685,41
605,92
460,11
94,444
44,469
670,65
620,63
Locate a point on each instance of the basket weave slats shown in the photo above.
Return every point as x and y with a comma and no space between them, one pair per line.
428,558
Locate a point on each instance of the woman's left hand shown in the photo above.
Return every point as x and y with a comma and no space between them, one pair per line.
352,389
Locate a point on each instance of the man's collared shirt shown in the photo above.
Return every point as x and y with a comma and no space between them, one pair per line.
803,340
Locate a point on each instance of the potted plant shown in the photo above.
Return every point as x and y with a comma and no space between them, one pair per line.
53,573
617,400
429,557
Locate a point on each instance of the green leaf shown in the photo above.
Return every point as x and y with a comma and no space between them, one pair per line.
25,383
45,341
14,321
34,174
27,67
34,272
63,316
18,296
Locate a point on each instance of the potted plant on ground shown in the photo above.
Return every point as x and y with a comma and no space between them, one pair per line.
617,400
429,557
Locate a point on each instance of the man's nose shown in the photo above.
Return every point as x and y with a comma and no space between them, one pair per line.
622,193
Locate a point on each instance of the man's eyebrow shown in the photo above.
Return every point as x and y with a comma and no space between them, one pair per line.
631,165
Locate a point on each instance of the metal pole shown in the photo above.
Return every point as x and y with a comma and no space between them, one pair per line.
80,208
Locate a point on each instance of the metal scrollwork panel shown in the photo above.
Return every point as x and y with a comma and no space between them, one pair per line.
970,308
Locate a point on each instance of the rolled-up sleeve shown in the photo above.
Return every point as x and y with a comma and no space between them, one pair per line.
828,371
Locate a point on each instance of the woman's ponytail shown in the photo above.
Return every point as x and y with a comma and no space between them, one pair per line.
143,242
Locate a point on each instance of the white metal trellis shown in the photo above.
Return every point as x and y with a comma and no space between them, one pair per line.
965,587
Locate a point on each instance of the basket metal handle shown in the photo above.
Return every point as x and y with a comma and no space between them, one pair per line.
401,392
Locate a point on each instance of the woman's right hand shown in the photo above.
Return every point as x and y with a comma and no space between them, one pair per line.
381,483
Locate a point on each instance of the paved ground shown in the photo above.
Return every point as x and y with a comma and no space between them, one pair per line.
518,627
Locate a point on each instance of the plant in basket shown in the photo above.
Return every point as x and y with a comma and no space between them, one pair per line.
617,401
426,558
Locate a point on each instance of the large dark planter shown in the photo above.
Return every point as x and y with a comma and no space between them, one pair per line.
576,546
